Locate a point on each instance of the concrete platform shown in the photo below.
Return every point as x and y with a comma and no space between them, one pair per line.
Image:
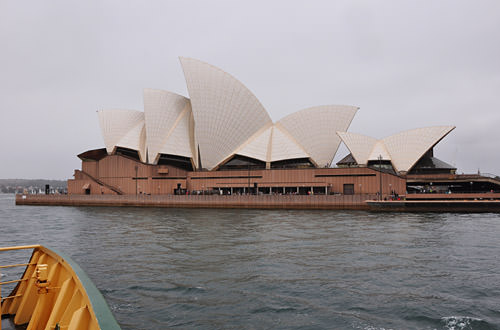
310,202
473,206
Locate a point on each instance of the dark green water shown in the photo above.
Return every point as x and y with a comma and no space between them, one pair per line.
259,269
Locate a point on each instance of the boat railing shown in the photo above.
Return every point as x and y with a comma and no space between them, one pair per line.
7,282
52,280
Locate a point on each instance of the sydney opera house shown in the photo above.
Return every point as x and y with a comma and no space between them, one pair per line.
221,140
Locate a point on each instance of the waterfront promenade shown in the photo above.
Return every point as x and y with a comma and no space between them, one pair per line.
474,202
320,202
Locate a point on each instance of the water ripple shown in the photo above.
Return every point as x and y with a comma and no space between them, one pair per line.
276,269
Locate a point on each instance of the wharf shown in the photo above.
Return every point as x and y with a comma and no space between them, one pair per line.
485,202
432,202
450,205
308,202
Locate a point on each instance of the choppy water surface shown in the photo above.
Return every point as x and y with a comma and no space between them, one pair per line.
260,269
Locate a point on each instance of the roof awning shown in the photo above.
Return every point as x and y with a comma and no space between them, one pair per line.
86,186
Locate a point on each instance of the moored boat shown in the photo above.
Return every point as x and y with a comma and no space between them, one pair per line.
52,293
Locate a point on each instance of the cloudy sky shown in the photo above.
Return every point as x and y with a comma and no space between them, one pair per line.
406,64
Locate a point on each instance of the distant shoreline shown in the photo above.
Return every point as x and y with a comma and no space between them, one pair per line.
13,186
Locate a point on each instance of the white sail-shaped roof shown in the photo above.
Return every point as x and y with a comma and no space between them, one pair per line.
407,147
283,146
178,139
167,124
226,113
222,119
379,152
273,144
258,147
315,129
402,149
135,139
359,145
123,128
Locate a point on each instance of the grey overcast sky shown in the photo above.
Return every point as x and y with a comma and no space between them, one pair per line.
406,64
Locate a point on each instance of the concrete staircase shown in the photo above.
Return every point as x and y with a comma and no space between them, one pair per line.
102,183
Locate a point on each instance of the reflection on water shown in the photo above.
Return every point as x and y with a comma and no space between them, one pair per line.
197,268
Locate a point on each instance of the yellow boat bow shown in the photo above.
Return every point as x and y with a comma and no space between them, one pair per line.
54,293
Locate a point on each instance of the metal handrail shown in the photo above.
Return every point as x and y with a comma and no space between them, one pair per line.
21,247
15,265
13,281
12,297
14,248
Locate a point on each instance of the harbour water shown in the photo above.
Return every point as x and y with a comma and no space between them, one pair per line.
262,269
